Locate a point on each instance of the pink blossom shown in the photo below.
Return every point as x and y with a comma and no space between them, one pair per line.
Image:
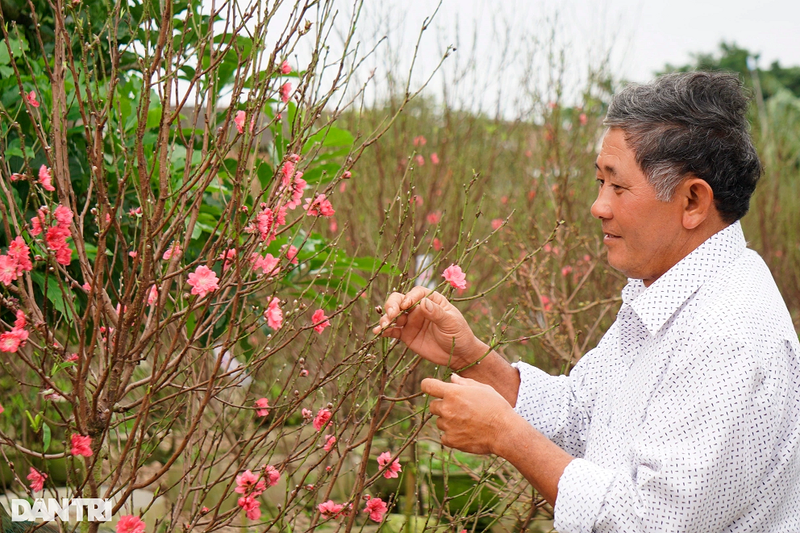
333,226
330,509
130,524
251,507
346,175
263,407
272,475
320,320
86,286
265,222
567,270
298,186
291,253
376,508
203,281
63,215
135,212
287,171
37,480
16,176
1,409
286,91
152,295
415,199
330,440
239,121
304,374
583,119
285,68
174,250
322,418
504,200
320,206
133,254
343,186
45,178
434,158
420,159
497,223
274,314
250,484
227,257
71,358
434,217
11,340
31,99
81,445
280,215
307,414
546,303
56,238
268,264
19,252
455,276
8,270
437,244
36,225
394,467
420,140
20,321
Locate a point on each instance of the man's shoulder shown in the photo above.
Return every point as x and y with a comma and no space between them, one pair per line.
742,301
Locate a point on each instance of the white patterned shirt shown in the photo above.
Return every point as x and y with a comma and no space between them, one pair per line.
686,417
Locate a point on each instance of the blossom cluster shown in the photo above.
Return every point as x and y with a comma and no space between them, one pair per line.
55,236
251,486
17,261
10,341
375,508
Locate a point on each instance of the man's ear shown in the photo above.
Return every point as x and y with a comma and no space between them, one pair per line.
698,202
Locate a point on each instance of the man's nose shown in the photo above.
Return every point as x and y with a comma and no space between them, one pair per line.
600,208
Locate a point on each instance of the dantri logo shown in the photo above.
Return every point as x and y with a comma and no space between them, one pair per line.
97,509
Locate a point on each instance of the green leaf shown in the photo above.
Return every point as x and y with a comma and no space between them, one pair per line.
17,47
55,294
153,117
329,137
34,426
321,174
45,437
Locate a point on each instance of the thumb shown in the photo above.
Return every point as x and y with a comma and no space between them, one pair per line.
458,380
434,312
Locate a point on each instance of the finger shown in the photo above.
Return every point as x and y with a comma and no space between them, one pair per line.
393,333
435,407
414,295
441,423
435,387
458,380
392,306
433,311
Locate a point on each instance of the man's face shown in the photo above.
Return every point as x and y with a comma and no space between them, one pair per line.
644,236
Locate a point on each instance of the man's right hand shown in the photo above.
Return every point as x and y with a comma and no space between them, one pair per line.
431,327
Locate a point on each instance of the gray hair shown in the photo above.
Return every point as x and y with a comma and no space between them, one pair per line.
691,123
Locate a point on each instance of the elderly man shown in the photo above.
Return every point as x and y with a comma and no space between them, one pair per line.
686,416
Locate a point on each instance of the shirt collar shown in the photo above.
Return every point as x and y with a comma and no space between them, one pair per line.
657,303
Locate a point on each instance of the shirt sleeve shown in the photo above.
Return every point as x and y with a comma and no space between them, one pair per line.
560,407
704,448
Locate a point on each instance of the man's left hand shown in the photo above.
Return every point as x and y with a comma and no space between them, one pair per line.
472,416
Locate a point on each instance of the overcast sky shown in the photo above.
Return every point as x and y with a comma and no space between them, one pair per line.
505,42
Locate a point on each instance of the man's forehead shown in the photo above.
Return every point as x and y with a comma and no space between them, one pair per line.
605,167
